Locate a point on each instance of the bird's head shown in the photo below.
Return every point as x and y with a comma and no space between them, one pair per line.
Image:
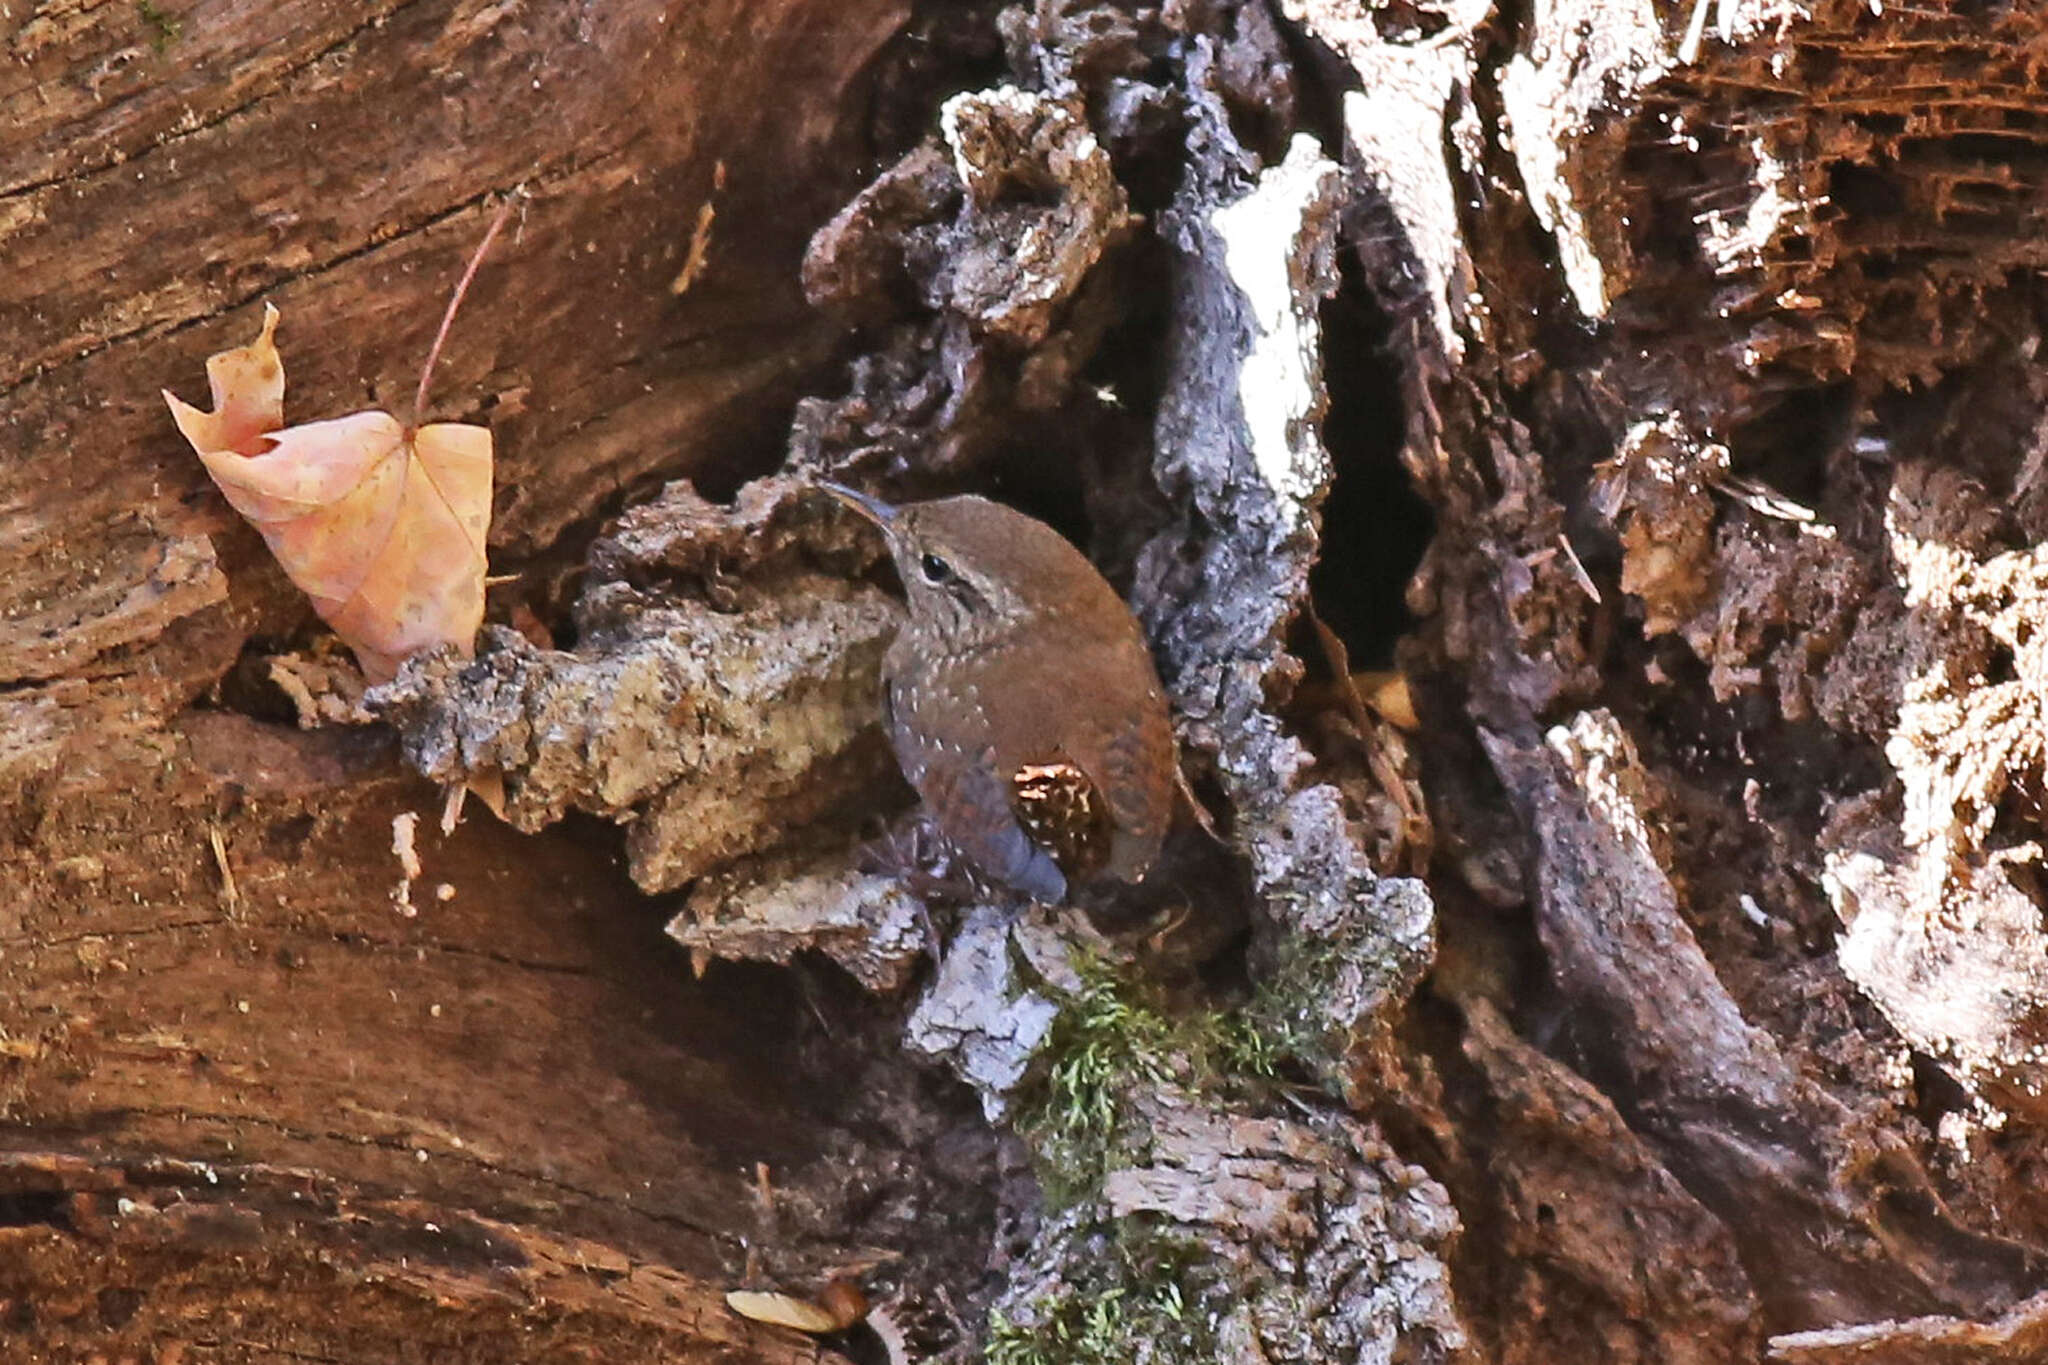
972,569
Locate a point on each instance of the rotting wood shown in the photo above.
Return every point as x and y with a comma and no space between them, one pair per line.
503,1125
1724,841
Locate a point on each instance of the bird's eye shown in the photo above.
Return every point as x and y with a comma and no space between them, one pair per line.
935,570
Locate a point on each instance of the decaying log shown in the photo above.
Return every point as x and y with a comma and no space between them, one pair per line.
2021,1334
1708,333
1727,583
1758,1144
257,1102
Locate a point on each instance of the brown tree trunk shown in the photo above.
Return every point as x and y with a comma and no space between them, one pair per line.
1668,986
255,1109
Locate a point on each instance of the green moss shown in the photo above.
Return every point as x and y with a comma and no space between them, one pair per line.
162,26
1112,1041
1142,1296
1287,1020
1140,1303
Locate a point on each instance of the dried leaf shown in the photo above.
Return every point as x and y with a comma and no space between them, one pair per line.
248,396
382,525
1386,692
783,1310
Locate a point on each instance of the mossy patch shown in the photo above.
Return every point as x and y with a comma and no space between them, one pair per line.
1137,1292
1112,1040
1289,1019
163,28
1145,1299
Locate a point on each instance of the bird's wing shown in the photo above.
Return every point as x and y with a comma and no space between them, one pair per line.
1137,770
1114,767
1065,812
973,803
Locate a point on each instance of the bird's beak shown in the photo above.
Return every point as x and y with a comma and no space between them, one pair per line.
874,509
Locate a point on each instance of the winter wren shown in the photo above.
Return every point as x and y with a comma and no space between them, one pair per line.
1020,698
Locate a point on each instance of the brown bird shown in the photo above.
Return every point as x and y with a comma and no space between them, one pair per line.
1020,698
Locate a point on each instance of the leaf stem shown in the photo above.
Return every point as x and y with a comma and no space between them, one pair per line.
419,400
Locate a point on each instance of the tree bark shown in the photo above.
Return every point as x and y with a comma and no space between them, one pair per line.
257,1107
1668,986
